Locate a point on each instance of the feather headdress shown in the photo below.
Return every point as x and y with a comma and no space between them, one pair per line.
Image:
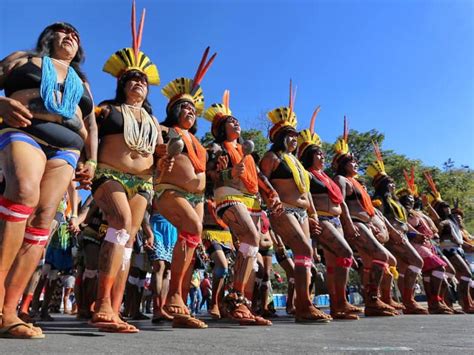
308,137
189,89
283,117
217,113
132,58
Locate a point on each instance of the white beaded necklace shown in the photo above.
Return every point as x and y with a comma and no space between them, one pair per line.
139,137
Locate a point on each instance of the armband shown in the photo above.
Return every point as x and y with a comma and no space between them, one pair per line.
92,162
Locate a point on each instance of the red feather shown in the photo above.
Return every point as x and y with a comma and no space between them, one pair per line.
140,33
202,68
313,119
345,134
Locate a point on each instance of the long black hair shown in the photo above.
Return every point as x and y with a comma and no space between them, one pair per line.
44,46
308,156
172,117
279,141
383,193
341,164
121,97
221,136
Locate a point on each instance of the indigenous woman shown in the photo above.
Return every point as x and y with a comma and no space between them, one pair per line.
358,206
159,248
409,262
468,245
292,183
433,266
287,264
262,280
236,189
327,197
91,238
47,118
180,191
123,185
217,241
451,241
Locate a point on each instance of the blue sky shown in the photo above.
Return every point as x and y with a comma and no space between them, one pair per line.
404,68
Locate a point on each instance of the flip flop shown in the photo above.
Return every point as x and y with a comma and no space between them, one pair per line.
5,332
188,322
126,330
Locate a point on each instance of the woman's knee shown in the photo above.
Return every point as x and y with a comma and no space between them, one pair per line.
120,220
251,237
381,254
345,251
303,249
43,215
194,226
416,260
24,191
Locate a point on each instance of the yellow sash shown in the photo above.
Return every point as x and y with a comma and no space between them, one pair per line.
398,210
300,175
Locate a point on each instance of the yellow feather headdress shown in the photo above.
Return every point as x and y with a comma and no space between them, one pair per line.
283,117
128,59
308,137
341,147
434,197
411,188
376,170
189,89
217,113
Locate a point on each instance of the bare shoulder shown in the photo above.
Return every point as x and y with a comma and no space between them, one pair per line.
270,156
340,180
15,56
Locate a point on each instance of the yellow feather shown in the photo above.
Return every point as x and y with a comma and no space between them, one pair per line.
212,112
124,60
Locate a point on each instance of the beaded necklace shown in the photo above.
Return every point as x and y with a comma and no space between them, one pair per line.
50,88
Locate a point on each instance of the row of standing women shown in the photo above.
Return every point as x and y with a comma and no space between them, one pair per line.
50,129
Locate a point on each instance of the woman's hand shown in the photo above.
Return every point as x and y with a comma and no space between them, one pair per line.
314,226
148,243
84,175
73,225
238,170
166,163
397,237
274,204
222,163
352,231
14,113
161,149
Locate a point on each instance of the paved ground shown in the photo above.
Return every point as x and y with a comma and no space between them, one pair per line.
418,334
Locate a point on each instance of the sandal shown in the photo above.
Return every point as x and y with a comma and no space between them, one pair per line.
188,322
176,310
5,332
312,315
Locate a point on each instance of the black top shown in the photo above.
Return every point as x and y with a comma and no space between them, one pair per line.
282,171
28,76
112,124
356,194
316,186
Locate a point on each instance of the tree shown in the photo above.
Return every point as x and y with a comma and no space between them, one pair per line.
454,184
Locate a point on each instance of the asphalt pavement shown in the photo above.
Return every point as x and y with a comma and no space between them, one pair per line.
431,334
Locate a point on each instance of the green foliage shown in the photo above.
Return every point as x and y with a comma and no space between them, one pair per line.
260,141
207,139
454,183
